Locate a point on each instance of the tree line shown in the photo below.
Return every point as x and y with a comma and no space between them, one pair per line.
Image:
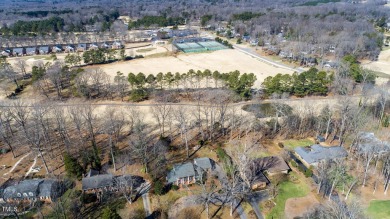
311,82
160,21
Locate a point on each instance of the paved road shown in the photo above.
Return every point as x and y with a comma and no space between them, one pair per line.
252,53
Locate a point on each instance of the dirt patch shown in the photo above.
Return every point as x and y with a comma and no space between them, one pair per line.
298,206
182,203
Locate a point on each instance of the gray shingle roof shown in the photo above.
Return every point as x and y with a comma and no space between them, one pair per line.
98,181
203,162
46,188
180,171
26,188
317,153
31,188
18,50
91,173
31,50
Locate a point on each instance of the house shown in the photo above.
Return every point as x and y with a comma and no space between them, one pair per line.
204,162
17,51
31,51
93,46
189,173
320,138
9,182
182,174
56,49
33,190
100,183
254,42
69,48
91,173
315,153
259,182
44,50
6,52
246,38
272,165
117,45
81,47
104,46
330,64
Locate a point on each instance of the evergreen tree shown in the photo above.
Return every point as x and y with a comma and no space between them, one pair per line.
72,166
109,213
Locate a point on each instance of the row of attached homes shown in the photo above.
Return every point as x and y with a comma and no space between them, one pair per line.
42,50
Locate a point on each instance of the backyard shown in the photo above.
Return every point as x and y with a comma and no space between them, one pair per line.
379,209
293,143
286,190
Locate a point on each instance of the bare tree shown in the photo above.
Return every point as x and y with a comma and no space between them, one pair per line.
140,144
183,120
161,112
21,65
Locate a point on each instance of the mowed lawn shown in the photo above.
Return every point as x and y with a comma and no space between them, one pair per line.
287,190
292,143
379,209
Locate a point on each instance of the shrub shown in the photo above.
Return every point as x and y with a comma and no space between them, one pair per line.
109,213
86,198
175,187
281,145
4,150
139,95
293,163
308,173
158,188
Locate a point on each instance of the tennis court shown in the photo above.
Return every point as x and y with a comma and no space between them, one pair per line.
189,47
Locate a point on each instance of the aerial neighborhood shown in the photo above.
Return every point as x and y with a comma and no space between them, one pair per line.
195,109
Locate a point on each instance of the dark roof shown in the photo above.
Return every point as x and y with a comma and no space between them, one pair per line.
31,188
99,181
316,153
26,188
108,180
271,164
260,177
92,172
180,171
46,188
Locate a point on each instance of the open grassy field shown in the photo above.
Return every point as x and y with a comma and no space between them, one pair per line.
222,60
145,50
287,190
379,209
292,143
382,65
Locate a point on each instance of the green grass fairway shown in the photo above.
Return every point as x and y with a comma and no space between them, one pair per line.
292,144
379,209
287,190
